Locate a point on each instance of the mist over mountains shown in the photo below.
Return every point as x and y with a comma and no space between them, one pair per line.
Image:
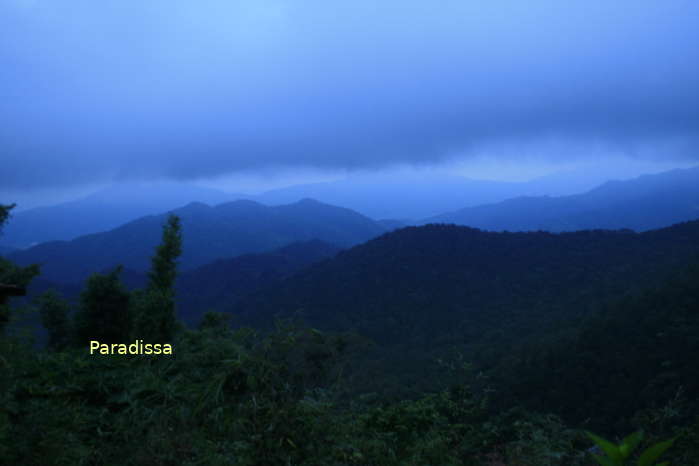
378,197
418,195
104,210
406,198
244,226
643,203
210,233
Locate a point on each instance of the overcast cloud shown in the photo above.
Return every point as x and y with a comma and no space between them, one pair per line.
132,89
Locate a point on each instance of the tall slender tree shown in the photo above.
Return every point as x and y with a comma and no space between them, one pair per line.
164,263
155,306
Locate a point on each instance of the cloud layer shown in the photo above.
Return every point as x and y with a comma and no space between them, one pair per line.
178,89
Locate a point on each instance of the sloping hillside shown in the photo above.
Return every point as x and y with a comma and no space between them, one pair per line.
440,286
217,285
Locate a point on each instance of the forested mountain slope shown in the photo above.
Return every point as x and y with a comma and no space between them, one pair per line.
640,351
438,287
217,285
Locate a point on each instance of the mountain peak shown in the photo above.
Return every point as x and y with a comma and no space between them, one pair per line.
196,205
308,200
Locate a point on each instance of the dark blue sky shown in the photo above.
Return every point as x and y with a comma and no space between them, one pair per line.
96,91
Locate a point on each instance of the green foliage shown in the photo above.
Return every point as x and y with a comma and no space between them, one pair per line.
154,307
220,398
621,368
5,213
11,273
104,313
215,321
54,316
540,440
237,397
154,311
164,263
621,454
686,448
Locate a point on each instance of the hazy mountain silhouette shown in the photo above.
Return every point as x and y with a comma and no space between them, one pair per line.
407,197
102,211
209,233
416,196
392,224
643,203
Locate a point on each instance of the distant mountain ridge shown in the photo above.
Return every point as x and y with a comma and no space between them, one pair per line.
415,196
103,211
209,233
407,197
375,196
643,203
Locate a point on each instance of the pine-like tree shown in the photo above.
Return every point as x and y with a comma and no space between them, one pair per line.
155,306
164,264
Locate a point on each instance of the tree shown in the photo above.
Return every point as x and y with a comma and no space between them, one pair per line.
54,316
164,264
11,274
5,213
155,306
104,313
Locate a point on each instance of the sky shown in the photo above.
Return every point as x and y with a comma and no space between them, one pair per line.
253,94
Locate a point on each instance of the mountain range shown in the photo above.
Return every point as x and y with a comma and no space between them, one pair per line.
104,210
209,233
406,197
244,226
412,196
643,203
